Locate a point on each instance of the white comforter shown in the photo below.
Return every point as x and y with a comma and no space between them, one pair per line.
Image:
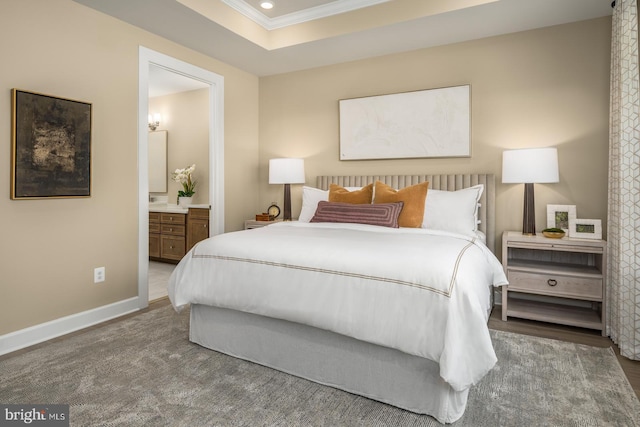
422,292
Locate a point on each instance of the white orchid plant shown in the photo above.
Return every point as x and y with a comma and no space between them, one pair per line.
183,176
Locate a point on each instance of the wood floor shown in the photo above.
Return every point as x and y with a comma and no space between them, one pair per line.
567,333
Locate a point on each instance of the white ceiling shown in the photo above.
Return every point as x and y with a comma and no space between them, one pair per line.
163,82
468,20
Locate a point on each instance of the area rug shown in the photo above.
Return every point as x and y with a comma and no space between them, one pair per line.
143,371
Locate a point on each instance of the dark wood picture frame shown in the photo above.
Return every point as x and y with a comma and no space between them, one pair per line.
51,146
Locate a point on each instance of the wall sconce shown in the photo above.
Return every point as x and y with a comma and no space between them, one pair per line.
286,171
154,121
529,166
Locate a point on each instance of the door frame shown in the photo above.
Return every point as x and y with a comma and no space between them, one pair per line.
149,57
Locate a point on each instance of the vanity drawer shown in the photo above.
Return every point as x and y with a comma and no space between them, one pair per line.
174,230
154,227
200,213
172,247
154,217
171,218
587,288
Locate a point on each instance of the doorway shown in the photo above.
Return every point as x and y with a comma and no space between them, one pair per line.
148,58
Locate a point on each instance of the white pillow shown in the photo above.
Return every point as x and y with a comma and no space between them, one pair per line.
454,211
310,198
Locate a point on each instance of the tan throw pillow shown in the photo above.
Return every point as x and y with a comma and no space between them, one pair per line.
413,197
341,194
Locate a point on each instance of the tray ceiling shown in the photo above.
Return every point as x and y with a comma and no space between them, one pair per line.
216,29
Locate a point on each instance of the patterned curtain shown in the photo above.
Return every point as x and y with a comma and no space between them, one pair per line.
623,266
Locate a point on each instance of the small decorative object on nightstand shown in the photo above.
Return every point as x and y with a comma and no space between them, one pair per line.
274,210
585,228
553,233
554,280
559,216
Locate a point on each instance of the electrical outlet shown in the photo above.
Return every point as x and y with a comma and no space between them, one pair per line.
98,274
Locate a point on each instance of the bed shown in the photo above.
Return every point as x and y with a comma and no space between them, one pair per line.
397,315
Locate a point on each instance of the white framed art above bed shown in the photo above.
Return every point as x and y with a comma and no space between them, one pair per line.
419,124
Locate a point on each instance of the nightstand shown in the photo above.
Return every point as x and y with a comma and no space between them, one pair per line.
554,280
252,223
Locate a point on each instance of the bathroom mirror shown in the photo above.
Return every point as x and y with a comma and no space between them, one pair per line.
158,161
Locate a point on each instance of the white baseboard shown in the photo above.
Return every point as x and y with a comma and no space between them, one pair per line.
45,331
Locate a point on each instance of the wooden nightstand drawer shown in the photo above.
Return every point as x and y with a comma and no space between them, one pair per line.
586,288
174,230
170,218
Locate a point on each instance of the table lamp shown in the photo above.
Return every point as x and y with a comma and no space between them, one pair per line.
530,166
286,171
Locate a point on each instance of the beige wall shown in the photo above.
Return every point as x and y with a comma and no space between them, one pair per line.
185,117
50,247
547,87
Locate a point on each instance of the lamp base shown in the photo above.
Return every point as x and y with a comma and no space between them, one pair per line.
529,211
287,203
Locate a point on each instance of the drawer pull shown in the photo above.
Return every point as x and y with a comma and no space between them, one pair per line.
552,282
205,226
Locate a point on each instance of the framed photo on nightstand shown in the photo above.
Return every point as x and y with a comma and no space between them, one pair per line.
559,216
585,229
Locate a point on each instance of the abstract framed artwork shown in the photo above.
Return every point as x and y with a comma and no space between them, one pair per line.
585,228
51,147
420,124
559,216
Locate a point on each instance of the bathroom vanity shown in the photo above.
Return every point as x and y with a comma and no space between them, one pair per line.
174,230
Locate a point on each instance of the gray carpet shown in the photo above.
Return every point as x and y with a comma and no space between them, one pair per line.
142,371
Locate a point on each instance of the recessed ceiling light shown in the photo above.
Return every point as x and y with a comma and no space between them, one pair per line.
266,4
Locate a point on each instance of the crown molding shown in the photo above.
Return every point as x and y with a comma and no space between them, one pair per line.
317,12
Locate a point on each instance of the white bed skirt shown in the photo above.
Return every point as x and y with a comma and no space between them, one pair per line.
402,380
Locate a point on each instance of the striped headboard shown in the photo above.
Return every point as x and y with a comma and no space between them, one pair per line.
448,182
